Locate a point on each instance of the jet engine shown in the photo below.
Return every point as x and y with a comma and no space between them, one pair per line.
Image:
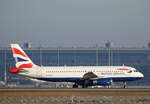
103,82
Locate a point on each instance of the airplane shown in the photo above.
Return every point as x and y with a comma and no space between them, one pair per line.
84,76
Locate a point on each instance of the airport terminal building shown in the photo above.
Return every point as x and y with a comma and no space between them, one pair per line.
94,56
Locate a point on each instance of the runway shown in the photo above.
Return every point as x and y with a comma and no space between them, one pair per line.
76,92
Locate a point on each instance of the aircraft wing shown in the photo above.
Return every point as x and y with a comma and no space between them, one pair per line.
89,75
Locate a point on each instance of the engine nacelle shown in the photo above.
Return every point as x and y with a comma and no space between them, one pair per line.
103,82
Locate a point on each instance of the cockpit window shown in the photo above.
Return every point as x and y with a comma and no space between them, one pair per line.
130,71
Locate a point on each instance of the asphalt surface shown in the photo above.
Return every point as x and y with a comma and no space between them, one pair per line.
75,92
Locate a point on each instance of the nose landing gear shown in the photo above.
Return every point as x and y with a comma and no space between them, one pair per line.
124,84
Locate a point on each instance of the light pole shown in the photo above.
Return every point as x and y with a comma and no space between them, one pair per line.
5,74
58,56
97,55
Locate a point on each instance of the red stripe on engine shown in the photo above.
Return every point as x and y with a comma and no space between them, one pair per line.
16,51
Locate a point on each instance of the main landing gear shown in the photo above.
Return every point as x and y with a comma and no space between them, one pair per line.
84,86
75,85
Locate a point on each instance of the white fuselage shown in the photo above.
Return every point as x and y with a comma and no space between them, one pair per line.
80,71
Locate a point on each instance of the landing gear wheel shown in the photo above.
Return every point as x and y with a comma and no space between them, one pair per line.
84,86
75,86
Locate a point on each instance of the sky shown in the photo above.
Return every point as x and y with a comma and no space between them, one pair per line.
75,23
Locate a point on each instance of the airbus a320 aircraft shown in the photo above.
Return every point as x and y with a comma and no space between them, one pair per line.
79,75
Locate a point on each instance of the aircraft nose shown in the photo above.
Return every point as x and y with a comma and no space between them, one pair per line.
141,75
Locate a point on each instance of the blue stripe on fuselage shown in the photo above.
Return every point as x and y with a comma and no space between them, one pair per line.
76,79
60,79
126,79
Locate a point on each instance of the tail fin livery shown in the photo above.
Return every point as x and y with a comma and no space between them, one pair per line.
21,58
